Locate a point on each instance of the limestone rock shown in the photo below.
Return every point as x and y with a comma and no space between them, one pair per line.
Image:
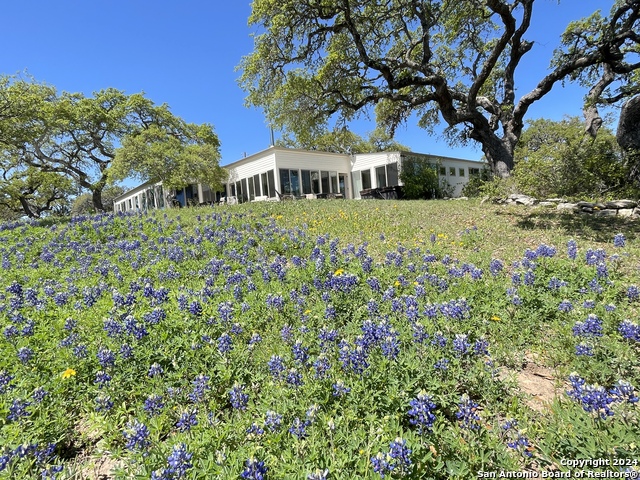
556,200
625,212
606,213
568,207
522,199
547,204
622,204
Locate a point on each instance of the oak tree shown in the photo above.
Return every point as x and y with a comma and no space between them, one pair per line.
318,61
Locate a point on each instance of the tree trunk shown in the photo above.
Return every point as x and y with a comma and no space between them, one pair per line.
499,153
628,134
27,208
96,197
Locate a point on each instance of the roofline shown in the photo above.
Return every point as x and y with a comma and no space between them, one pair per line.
277,148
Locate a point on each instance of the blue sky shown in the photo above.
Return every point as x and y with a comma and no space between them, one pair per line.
185,53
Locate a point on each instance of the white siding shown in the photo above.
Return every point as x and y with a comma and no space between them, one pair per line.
369,162
333,163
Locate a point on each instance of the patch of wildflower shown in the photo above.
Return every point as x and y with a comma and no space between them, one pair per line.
467,413
396,461
421,414
178,463
254,470
628,329
137,436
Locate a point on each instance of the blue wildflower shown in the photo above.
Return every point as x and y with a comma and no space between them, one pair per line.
273,420
421,412
254,470
187,420
467,413
619,240
238,398
137,436
153,405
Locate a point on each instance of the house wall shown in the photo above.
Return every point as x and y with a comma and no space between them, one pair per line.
457,173
318,162
244,169
368,162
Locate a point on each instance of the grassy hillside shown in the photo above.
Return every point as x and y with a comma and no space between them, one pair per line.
319,339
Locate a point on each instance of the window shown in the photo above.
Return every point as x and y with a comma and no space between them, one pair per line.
474,172
245,190
381,177
285,185
443,171
294,177
392,174
357,183
233,190
256,183
306,181
334,182
252,192
461,172
366,179
324,176
452,171
271,175
315,182
265,184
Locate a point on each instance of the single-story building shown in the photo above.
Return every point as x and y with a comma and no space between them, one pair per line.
279,172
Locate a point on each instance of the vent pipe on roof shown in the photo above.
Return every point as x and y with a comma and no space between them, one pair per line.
273,142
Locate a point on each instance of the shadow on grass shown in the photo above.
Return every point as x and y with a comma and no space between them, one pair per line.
599,229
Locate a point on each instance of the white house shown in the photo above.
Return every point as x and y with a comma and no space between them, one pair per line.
278,172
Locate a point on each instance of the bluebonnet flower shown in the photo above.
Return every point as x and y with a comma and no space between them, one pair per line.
187,420
299,428
178,463
628,329
276,366
275,301
294,378
516,279
286,333
321,366
318,475
545,251
225,343
80,351
18,409
623,391
113,328
390,346
529,277
374,283
481,346
593,257
330,312
619,240
153,405
439,340
591,327
273,420
195,308
27,329
200,387
10,332
106,357
38,394
582,349
588,304
103,403
137,436
593,398
556,284
381,464
442,364
24,355
255,339
461,344
238,398
327,336
353,359
467,413
155,370
633,293
572,249
254,470
300,354
339,389
595,287
421,412
565,306
610,307
236,329
400,453
495,267
102,378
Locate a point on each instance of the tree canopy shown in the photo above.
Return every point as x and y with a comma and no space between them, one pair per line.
556,159
342,140
321,61
96,140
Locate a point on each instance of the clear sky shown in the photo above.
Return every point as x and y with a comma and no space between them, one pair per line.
184,53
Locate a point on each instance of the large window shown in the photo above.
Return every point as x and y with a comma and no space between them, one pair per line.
306,181
452,171
324,176
381,177
392,174
265,184
474,172
357,183
256,183
334,182
366,179
245,190
461,172
315,182
443,171
294,176
272,183
252,192
285,183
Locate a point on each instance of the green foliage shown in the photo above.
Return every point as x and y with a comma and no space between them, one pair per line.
558,159
420,178
83,204
477,183
318,63
96,140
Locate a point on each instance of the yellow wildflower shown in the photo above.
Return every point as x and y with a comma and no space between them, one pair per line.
338,272
495,318
69,372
